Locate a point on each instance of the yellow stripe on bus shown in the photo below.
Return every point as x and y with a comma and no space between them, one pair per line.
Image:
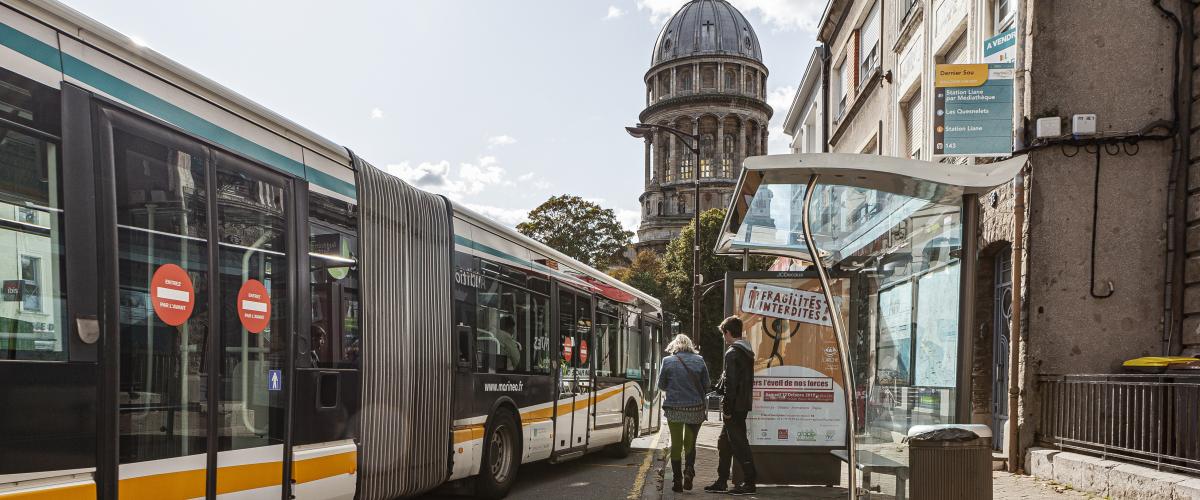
66,492
235,478
468,433
327,466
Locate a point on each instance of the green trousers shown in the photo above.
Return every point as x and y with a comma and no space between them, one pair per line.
683,438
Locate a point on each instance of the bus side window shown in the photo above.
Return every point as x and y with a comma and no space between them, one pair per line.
33,322
335,336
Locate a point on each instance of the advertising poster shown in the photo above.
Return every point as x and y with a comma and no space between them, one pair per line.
799,399
937,328
895,335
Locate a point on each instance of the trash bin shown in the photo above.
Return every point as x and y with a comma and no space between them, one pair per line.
950,462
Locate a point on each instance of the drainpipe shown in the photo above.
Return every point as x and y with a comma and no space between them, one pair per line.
1179,165
825,120
1014,343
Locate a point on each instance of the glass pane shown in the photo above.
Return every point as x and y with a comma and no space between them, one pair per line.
633,347
162,245
333,281
541,335
253,232
899,255
566,329
583,343
33,307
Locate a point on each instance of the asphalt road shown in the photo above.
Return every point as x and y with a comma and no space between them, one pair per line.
595,476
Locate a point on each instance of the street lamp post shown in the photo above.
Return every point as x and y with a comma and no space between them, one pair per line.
643,130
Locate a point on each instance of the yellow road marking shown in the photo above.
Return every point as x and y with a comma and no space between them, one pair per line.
635,493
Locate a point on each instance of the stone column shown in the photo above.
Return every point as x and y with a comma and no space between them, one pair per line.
719,161
672,156
720,77
741,145
649,143
696,78
763,144
695,160
674,89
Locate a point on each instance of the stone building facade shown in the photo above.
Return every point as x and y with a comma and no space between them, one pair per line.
1103,226
706,78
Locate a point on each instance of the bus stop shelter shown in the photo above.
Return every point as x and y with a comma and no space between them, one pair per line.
893,244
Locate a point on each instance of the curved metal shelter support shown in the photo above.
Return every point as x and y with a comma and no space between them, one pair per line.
842,340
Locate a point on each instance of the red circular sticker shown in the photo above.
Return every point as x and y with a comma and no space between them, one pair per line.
254,306
173,295
568,343
582,351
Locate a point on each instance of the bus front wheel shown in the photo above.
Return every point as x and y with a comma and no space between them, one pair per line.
501,457
629,430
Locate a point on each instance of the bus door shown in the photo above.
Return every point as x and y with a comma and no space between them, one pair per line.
654,336
571,409
203,279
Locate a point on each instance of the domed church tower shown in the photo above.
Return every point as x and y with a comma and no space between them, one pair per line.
706,77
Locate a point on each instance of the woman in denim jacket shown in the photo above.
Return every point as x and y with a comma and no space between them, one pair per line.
684,376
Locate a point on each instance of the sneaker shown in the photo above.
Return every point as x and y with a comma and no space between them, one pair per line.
743,489
718,486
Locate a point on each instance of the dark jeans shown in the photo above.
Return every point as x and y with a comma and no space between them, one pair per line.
733,443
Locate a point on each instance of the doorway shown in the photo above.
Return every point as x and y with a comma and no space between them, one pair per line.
1001,321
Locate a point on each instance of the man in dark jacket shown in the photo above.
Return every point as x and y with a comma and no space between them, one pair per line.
737,381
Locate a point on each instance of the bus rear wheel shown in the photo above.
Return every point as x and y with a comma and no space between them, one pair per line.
501,457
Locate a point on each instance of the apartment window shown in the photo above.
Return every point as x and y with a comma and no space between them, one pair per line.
1004,15
868,45
31,275
914,121
843,83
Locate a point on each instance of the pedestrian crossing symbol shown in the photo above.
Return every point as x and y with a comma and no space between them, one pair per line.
274,380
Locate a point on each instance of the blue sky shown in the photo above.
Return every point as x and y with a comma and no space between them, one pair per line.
498,104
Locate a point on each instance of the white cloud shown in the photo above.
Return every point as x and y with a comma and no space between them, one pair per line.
659,10
501,140
532,179
629,219
507,216
614,12
783,15
376,113
439,177
777,141
780,99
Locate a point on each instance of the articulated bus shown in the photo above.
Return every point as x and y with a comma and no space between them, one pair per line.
202,299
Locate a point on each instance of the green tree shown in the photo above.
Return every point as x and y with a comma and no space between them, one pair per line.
579,228
677,277
644,273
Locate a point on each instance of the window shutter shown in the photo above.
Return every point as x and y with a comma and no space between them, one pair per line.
914,120
847,78
869,33
958,52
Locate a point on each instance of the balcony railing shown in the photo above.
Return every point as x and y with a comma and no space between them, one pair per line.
1150,419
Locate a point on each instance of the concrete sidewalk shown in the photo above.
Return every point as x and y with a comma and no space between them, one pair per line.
657,484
